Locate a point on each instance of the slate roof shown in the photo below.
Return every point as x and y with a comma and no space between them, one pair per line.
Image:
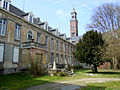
16,11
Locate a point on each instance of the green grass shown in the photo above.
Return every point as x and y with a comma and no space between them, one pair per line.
112,85
18,81
21,81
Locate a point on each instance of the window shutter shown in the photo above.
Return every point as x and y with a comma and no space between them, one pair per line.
16,54
1,52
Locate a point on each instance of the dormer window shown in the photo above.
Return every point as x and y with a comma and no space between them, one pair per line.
30,18
5,4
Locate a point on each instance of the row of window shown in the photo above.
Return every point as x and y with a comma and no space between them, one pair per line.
15,53
3,28
61,60
61,45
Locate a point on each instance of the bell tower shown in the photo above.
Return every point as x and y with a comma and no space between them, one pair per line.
73,24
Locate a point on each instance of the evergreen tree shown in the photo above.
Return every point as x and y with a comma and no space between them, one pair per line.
90,49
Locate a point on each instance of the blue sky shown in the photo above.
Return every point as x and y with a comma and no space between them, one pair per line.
57,12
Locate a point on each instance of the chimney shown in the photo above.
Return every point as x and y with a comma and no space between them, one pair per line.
38,19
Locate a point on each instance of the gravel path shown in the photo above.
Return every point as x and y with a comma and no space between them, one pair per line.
71,84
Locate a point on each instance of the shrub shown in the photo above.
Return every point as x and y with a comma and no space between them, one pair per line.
37,68
77,67
69,67
61,74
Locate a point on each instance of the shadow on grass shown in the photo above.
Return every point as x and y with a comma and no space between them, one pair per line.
18,81
94,88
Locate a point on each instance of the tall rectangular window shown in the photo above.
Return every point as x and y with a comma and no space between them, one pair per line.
65,48
46,57
65,59
57,45
52,43
18,32
46,40
71,50
16,55
61,59
3,25
52,58
61,46
68,50
39,37
57,58
1,52
68,60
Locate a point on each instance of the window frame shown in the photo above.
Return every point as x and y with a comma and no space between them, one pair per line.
18,31
46,40
39,38
31,35
1,44
3,27
13,61
5,5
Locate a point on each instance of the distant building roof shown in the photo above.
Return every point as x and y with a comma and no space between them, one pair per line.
76,38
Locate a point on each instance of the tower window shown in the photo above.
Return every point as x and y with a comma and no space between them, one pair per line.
72,34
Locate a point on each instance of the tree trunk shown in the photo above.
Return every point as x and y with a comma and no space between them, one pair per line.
95,68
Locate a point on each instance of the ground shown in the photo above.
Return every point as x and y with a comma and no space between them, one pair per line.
84,79
71,84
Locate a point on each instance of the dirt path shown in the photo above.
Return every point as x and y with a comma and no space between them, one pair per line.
71,84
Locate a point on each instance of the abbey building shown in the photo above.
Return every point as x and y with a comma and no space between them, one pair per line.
24,38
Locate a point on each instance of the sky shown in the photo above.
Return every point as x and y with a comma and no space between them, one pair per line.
57,12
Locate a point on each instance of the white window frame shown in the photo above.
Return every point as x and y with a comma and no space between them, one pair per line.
1,52
3,26
16,54
38,37
31,18
18,32
5,4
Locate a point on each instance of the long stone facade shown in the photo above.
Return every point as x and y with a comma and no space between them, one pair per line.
24,38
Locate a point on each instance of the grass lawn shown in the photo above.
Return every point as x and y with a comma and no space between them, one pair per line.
112,85
20,81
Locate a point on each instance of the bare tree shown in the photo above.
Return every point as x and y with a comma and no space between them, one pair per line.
106,19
